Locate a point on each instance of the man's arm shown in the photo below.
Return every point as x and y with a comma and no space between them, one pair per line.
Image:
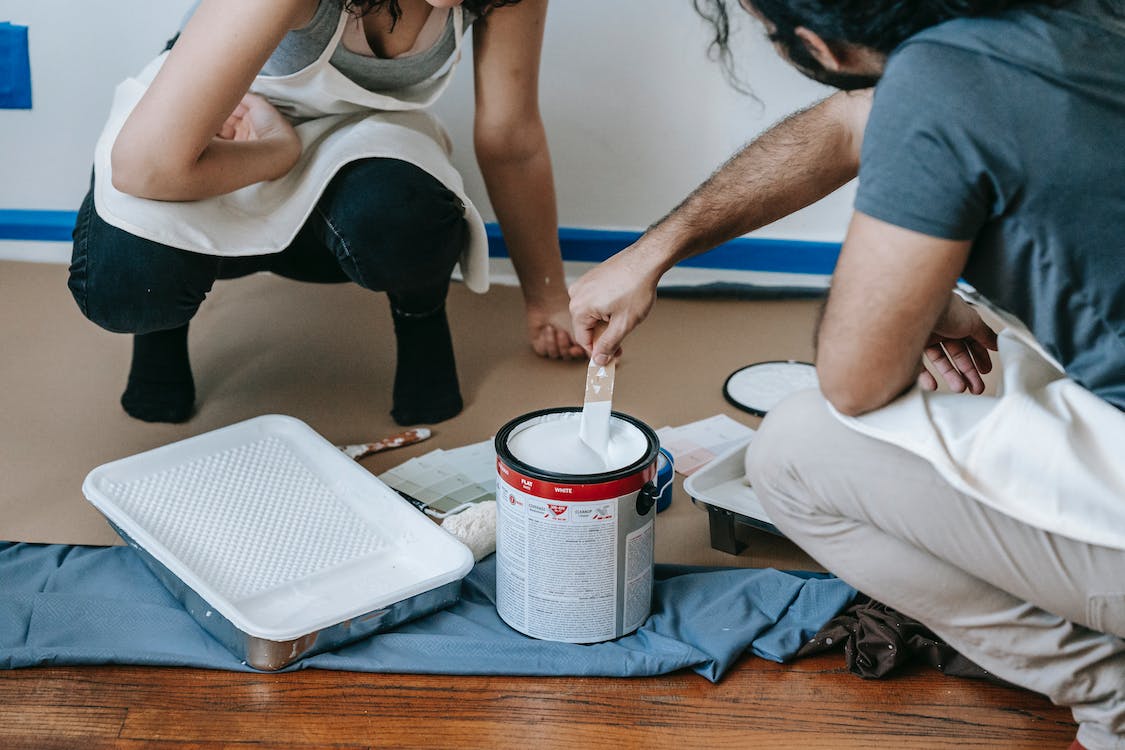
892,301
792,165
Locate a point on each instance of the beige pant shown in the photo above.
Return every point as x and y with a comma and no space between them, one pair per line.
1034,608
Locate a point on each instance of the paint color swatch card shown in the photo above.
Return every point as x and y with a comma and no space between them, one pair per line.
695,444
444,481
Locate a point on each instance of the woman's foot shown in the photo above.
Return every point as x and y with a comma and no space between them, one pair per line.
160,387
426,389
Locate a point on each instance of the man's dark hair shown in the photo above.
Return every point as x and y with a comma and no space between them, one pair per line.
476,7
880,25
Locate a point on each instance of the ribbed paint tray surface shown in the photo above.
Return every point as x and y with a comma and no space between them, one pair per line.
275,528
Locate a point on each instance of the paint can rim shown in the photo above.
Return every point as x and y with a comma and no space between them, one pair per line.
505,455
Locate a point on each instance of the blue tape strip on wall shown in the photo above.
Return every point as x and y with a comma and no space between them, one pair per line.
590,245
15,67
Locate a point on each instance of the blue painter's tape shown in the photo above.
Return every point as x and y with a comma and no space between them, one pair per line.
742,254
584,245
15,67
42,226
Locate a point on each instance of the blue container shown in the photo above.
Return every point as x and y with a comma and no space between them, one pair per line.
665,473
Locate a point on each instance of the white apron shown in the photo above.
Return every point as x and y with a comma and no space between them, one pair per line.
1045,450
338,122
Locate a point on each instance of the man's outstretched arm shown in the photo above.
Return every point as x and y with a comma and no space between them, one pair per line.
793,164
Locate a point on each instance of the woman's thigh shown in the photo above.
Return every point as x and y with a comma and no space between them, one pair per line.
128,284
391,226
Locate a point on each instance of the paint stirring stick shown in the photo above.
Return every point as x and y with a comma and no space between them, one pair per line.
594,428
409,437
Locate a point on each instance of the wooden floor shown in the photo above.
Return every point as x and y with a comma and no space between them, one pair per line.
812,703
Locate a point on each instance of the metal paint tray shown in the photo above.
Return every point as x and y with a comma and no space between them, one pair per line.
731,503
278,544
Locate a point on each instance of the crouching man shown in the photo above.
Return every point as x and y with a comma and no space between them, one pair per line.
990,147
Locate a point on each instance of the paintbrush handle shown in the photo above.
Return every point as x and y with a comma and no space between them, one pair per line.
410,437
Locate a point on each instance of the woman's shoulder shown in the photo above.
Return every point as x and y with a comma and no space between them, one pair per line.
302,46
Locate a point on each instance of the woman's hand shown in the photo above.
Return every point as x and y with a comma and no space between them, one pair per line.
958,349
548,329
255,119
616,296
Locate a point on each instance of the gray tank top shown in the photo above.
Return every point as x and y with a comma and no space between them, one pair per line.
301,47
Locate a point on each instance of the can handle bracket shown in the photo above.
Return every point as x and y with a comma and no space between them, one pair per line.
646,498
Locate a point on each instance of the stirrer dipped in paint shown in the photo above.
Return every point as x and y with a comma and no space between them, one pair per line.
594,427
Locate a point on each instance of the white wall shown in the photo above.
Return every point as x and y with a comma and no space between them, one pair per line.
636,113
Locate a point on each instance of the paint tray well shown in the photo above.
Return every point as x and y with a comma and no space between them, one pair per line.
276,542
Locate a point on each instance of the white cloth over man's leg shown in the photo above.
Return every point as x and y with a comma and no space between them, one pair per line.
1034,608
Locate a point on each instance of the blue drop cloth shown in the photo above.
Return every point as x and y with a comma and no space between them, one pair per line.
68,605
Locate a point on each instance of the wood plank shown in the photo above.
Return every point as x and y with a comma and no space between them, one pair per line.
245,744
813,703
63,725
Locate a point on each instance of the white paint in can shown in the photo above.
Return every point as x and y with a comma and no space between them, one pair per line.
552,444
575,540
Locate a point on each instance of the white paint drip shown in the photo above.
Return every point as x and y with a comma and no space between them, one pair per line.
594,429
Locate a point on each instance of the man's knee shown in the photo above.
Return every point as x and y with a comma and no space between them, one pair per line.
785,450
397,225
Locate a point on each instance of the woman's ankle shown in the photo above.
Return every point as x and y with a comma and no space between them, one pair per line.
160,387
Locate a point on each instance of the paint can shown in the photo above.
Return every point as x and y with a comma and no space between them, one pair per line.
574,548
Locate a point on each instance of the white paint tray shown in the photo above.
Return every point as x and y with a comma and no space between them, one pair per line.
275,541
721,487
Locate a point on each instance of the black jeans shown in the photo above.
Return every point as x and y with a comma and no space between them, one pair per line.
383,223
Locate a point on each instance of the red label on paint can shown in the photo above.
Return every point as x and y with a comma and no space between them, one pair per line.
548,490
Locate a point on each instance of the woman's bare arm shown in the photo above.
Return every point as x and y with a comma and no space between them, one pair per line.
511,148
171,148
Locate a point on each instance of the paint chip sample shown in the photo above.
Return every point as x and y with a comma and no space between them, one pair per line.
695,444
446,480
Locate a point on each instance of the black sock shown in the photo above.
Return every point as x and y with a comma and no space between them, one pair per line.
160,387
426,389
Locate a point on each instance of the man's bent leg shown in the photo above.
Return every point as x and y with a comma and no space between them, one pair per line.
1034,608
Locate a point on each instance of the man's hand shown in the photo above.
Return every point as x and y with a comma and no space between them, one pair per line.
616,296
958,349
889,303
255,119
548,329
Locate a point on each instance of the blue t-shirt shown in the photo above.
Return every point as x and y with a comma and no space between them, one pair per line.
1010,131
